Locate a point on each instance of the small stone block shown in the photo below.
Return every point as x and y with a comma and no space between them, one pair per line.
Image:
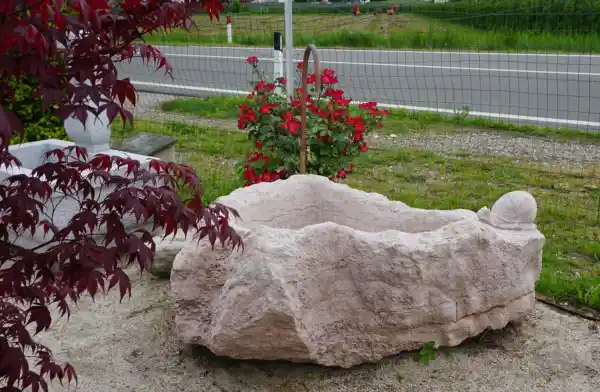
145,143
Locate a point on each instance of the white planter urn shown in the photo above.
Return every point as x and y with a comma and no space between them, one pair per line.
94,135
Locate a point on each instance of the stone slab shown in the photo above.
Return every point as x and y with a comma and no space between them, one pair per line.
146,143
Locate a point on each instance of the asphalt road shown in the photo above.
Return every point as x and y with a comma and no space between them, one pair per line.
556,90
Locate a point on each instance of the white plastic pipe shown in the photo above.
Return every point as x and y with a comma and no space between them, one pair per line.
277,56
289,48
229,32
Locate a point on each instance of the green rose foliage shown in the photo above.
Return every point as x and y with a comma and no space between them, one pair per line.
37,123
236,7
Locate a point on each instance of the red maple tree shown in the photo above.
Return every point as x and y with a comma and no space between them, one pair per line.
69,49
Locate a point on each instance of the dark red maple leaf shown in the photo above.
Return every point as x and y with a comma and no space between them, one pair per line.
78,74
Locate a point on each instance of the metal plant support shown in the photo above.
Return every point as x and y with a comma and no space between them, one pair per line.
303,131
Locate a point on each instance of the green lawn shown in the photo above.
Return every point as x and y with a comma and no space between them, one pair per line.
220,107
212,107
569,203
400,31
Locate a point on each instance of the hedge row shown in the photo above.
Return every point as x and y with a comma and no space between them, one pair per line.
38,124
576,16
569,16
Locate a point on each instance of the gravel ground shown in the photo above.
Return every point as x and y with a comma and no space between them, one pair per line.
132,347
572,155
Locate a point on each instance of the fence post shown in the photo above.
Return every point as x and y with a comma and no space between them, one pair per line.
289,49
229,32
304,149
277,56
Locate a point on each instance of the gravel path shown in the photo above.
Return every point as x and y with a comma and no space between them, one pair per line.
132,347
571,155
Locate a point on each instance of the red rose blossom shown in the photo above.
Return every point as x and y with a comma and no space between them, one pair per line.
266,109
342,102
291,124
260,86
333,93
328,76
249,174
266,177
367,105
358,123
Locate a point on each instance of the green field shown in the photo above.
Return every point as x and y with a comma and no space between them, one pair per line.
569,199
400,31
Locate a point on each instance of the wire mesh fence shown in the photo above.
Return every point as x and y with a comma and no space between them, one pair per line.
439,65
482,104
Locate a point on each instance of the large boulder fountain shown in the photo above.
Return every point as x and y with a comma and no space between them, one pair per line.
338,276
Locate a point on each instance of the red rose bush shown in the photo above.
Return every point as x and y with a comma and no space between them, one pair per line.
336,128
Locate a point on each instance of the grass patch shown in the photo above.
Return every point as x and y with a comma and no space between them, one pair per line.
400,121
569,215
399,31
211,107
213,152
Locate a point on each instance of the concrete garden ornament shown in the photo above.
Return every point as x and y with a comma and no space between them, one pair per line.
337,276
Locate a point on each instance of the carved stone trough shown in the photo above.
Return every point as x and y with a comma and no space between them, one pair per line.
338,276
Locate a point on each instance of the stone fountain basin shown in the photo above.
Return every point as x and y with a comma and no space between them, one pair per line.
338,276
31,155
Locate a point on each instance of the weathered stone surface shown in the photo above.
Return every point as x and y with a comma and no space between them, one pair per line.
166,250
513,211
145,143
338,276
